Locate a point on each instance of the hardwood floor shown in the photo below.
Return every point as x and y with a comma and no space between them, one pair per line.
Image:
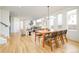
25,44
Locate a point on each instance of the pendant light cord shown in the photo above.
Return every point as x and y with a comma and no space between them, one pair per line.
48,12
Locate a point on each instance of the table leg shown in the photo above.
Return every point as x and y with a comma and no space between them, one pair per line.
35,38
43,40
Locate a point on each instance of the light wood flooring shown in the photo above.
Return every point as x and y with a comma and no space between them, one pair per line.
25,44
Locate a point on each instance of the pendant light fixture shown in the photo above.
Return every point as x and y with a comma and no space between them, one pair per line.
48,16
48,12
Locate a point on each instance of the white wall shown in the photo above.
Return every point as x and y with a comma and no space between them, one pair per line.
4,17
15,24
0,21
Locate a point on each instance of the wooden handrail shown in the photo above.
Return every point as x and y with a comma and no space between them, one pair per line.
4,24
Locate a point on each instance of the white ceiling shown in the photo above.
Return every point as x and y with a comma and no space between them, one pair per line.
31,11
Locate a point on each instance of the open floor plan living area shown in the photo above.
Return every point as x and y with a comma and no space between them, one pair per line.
39,29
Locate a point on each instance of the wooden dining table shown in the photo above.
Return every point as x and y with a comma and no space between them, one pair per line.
43,32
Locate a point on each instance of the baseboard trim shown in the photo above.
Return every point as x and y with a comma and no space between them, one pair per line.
73,41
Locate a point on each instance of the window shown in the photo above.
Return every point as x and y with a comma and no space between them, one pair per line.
51,21
72,17
34,22
39,20
59,19
21,22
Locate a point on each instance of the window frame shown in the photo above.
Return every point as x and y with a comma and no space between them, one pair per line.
72,26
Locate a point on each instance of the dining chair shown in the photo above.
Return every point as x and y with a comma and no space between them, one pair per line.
39,36
60,40
51,40
47,36
64,32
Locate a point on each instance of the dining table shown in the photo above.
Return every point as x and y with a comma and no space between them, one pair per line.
43,32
